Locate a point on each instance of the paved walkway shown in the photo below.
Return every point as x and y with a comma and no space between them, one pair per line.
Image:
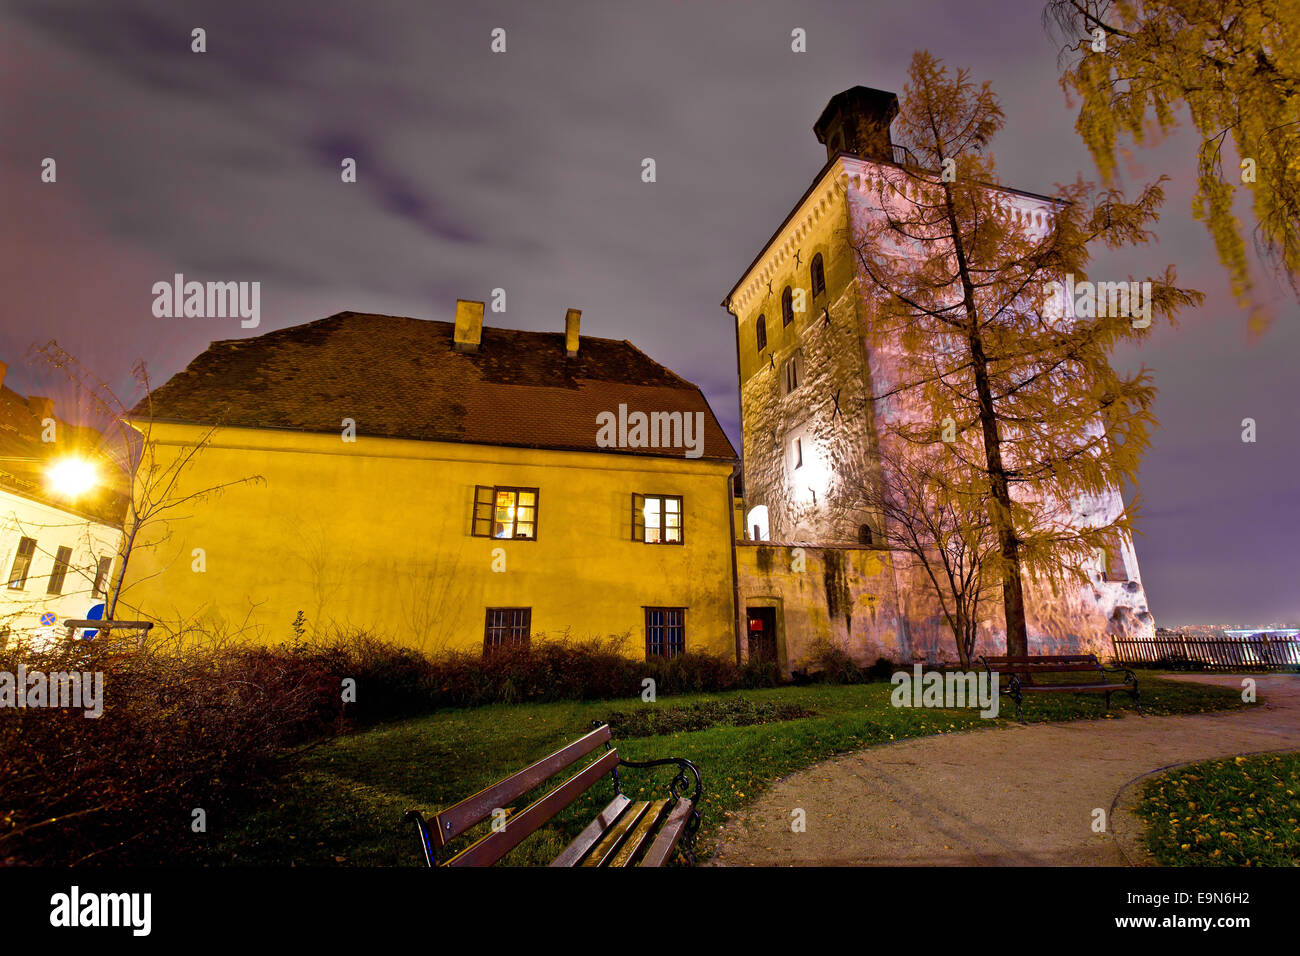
1021,795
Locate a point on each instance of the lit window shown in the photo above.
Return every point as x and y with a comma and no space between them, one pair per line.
501,512
657,519
506,627
22,564
665,631
760,332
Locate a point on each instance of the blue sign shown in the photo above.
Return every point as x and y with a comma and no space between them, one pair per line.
96,613
48,618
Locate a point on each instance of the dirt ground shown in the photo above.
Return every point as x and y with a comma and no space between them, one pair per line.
1014,796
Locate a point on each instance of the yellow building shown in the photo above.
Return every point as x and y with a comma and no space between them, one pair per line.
444,486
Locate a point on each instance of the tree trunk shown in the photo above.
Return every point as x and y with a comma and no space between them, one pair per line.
1013,598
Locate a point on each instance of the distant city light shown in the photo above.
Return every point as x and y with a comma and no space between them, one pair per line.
71,477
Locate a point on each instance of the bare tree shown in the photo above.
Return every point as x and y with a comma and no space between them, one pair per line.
921,507
153,480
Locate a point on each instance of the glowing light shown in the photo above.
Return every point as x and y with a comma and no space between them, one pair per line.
71,477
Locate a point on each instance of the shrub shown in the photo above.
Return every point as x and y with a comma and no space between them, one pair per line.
829,663
734,711
177,732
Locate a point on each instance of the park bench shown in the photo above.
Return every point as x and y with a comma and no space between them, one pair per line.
626,833
1026,672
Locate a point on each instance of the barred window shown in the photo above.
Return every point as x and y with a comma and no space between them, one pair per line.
62,561
22,564
506,626
503,512
665,631
657,519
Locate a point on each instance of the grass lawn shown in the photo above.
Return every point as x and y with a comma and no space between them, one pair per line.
1240,811
343,805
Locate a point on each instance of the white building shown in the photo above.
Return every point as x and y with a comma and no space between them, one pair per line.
58,542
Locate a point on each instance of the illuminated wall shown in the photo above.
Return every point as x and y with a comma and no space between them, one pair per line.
377,536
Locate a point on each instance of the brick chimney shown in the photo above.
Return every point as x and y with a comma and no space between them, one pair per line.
469,326
572,318
42,408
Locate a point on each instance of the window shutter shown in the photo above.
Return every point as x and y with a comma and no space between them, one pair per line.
484,502
638,517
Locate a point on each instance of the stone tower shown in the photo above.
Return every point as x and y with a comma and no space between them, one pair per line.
807,376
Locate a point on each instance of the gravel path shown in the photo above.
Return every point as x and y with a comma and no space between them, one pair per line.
1014,796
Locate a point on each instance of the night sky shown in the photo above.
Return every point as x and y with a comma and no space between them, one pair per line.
522,171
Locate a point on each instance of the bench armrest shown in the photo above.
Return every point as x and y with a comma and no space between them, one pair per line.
679,781
677,786
1129,676
416,817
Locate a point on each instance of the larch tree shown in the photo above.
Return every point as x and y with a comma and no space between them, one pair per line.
1234,65
978,350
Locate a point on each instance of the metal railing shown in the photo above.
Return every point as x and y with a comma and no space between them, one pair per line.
1210,653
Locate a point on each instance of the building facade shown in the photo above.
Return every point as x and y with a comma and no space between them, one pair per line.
442,485
454,487
808,370
57,550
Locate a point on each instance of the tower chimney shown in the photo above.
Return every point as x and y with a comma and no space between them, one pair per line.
469,326
572,318
857,121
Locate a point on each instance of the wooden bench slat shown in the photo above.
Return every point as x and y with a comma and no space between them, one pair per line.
610,842
523,824
668,835
454,821
572,854
640,834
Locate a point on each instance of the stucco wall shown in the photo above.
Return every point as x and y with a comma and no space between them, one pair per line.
376,535
21,608
842,365
844,596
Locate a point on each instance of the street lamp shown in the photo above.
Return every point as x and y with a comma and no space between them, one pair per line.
71,477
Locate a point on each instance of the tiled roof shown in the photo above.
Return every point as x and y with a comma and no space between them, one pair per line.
400,377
